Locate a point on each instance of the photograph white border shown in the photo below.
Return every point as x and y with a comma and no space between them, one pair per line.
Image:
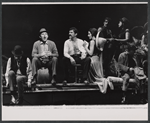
76,113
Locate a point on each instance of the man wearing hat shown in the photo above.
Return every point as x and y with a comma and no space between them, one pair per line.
44,54
18,71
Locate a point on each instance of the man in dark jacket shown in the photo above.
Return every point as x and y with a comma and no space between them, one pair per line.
18,71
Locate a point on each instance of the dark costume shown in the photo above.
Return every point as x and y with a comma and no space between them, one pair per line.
109,49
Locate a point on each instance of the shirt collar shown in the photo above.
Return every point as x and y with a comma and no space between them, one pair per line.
20,59
43,43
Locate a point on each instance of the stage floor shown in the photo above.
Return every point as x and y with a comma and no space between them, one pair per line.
74,94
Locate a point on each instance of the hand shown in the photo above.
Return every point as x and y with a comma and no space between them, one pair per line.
72,61
111,39
99,29
83,55
85,44
146,49
29,84
131,70
48,53
43,54
116,39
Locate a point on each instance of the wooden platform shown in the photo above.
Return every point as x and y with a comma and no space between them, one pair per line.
69,87
73,94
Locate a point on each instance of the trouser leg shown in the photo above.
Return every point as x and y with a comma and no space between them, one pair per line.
36,64
86,66
12,83
20,80
125,78
66,66
52,65
143,91
12,80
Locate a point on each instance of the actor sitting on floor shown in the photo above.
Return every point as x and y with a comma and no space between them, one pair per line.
18,72
44,54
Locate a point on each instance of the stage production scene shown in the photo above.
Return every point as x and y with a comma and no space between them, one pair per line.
74,54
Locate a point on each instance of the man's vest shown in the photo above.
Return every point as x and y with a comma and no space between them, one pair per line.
23,65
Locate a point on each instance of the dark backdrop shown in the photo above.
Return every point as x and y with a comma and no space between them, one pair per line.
21,23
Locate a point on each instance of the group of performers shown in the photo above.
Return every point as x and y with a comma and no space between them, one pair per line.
96,56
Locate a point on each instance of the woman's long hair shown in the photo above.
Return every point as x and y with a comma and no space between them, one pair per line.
93,31
125,22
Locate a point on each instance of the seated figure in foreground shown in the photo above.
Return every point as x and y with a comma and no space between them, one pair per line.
74,53
126,65
44,54
18,72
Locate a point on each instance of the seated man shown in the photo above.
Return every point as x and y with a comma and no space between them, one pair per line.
18,71
126,66
74,52
44,54
140,53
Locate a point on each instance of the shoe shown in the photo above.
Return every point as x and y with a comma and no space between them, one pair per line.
53,81
75,82
124,100
33,82
13,101
37,89
86,82
19,101
64,82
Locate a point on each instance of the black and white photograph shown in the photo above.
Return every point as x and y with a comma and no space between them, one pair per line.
75,56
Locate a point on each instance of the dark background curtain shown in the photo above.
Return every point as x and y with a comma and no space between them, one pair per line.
21,23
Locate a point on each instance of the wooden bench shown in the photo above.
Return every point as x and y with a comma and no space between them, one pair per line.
73,94
73,86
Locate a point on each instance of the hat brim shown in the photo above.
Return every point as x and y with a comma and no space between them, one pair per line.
17,54
43,31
